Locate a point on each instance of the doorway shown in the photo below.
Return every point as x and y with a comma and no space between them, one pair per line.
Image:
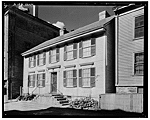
54,82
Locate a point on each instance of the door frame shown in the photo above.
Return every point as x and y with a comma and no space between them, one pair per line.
52,81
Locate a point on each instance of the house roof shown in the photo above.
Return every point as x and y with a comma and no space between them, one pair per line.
75,33
14,9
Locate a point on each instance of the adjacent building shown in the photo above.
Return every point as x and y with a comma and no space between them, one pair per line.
79,63
129,48
22,31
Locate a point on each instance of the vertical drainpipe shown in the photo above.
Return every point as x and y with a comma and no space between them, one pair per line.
116,48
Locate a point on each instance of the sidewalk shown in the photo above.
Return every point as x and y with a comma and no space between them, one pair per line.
24,106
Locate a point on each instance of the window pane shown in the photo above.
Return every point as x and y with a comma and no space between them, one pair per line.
69,55
69,78
86,51
70,47
86,43
139,32
139,21
86,78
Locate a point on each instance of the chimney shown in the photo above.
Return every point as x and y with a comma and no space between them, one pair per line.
103,15
35,10
61,26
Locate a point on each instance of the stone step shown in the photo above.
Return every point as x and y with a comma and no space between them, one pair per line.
56,95
59,99
63,101
65,104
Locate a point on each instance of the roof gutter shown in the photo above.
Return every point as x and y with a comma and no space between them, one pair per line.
98,30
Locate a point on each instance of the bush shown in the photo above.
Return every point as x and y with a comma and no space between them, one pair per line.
84,103
27,97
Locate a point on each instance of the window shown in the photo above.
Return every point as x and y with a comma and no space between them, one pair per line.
32,61
87,77
70,78
70,52
41,59
139,63
41,80
139,26
31,81
87,48
54,55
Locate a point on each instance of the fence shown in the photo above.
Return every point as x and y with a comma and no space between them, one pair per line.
126,102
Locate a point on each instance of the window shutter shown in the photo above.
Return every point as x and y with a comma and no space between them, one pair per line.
92,74
44,58
80,50
28,80
34,61
37,80
65,81
29,62
57,54
43,83
74,50
50,56
74,78
37,59
34,80
65,54
93,47
80,77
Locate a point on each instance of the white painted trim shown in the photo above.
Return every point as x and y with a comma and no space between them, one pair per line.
131,11
99,30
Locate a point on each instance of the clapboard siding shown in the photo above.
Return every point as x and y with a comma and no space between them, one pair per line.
127,46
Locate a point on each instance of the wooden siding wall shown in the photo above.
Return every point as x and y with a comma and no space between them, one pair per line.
126,102
127,46
110,60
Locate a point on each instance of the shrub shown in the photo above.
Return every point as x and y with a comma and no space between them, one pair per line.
84,103
27,97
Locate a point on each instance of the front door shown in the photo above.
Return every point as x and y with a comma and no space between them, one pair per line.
54,83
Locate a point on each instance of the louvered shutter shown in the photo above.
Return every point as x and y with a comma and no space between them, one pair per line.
74,50
74,78
80,50
34,80
57,54
43,80
44,58
65,80
93,47
28,81
37,59
80,77
29,62
92,75
37,80
34,60
50,56
65,54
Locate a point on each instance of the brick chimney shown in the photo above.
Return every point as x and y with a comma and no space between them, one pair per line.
61,26
103,15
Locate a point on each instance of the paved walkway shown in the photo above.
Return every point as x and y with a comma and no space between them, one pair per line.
24,106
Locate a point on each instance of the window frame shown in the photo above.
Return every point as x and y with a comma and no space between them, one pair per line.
40,86
56,54
134,72
43,58
136,38
34,80
34,61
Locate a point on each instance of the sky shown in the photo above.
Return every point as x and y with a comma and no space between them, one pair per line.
73,17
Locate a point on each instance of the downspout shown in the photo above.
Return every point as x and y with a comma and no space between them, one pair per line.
116,49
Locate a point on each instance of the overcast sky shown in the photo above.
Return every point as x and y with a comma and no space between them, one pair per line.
72,16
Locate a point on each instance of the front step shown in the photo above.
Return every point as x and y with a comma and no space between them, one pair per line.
59,99
63,101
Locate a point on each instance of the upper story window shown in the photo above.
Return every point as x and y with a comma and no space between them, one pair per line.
70,78
41,80
41,59
31,80
87,77
32,61
139,63
139,26
70,51
87,48
54,55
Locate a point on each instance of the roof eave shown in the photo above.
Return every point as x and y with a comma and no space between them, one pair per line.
98,29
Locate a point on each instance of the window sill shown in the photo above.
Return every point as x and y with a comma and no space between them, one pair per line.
86,87
88,56
54,62
70,87
138,38
40,65
32,67
31,87
71,59
40,87
137,75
